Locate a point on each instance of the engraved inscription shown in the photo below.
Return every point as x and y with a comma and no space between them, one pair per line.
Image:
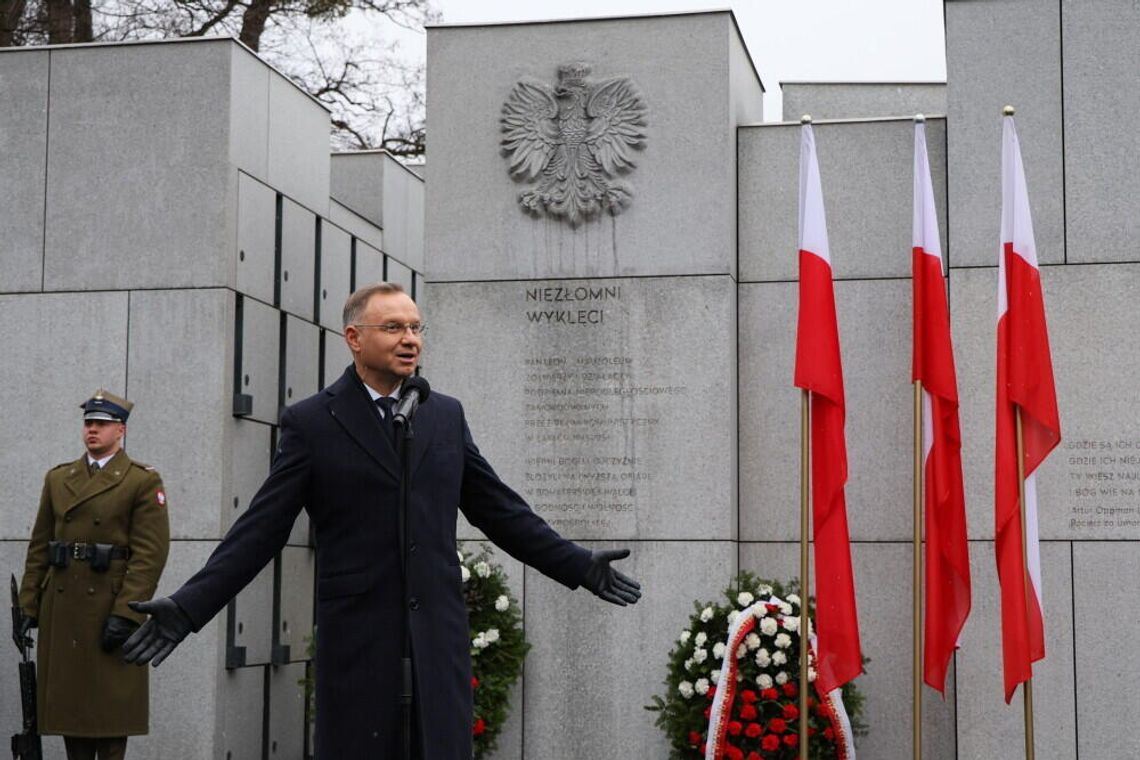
1104,479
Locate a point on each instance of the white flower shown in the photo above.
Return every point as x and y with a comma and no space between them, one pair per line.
689,664
765,590
752,641
744,598
763,658
700,655
732,616
685,688
685,636
502,603
791,624
786,608
781,678
768,626
702,686
793,598
718,650
701,638
464,573
783,640
811,674
479,642
491,635
741,651
764,681
714,676
482,569
706,614
779,658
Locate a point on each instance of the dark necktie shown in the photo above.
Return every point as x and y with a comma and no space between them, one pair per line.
386,403
93,469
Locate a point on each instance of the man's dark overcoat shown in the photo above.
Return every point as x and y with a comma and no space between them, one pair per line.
335,460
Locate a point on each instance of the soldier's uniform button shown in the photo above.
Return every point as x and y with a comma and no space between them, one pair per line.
90,591
98,521
67,518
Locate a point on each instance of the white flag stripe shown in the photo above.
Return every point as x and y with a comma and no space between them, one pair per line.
1016,220
813,221
925,233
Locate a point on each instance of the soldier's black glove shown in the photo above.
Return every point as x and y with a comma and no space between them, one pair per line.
608,583
157,637
116,630
21,630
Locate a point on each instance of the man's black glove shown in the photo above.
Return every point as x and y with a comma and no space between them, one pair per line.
21,631
608,583
116,630
157,637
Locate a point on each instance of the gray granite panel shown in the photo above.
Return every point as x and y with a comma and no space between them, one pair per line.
261,336
253,624
986,726
593,665
23,145
355,224
859,100
180,379
336,274
874,328
399,273
1100,96
1106,667
298,259
298,153
1000,53
356,181
54,328
883,595
286,713
241,713
249,111
139,185
678,221
1087,487
297,567
867,175
403,219
615,422
256,238
369,265
181,691
252,452
337,356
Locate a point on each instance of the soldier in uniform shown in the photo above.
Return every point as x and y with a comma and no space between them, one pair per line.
100,539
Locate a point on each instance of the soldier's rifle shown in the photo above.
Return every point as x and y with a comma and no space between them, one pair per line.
26,745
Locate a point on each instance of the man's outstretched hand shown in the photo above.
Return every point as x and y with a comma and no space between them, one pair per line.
608,583
157,637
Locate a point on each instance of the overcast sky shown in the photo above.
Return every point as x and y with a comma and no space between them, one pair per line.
790,40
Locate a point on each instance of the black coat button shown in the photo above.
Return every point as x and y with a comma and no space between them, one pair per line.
414,604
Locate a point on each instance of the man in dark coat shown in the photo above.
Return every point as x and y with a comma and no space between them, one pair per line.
100,540
337,460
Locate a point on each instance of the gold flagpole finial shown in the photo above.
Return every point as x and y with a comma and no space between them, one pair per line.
1007,111
805,119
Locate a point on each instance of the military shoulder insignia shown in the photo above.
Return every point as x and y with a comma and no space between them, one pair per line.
142,466
161,498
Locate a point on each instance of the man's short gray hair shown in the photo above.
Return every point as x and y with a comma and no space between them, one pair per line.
358,301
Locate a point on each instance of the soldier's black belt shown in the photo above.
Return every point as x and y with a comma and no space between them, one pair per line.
99,555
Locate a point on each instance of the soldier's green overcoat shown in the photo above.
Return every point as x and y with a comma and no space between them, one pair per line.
84,691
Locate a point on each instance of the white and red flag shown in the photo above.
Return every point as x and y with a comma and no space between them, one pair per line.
947,555
819,370
1025,384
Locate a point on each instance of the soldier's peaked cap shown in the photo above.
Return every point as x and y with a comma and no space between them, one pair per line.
104,405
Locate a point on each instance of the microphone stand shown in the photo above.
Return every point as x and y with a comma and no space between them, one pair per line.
404,436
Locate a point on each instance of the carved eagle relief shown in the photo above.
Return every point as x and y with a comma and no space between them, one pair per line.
575,139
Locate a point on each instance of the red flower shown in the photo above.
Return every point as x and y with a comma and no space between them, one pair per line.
735,727
753,756
753,730
694,738
770,695
777,726
789,689
791,740
772,607
748,712
791,712
474,682
829,733
479,727
748,696
702,749
708,711
733,753
712,693
770,743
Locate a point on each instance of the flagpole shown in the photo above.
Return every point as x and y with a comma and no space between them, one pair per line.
916,577
805,588
1027,687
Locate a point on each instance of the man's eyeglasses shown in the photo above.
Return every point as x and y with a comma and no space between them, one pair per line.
398,328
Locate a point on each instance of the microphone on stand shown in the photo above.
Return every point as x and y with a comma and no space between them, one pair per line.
415,392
